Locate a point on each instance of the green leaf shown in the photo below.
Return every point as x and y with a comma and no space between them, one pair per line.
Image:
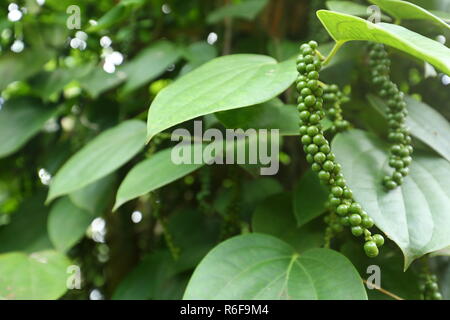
404,10
113,16
49,83
343,28
67,224
415,215
309,198
150,63
197,54
442,15
247,9
394,279
256,266
275,216
151,174
27,230
224,83
355,9
95,197
423,122
158,274
20,66
272,114
20,120
39,276
155,277
104,154
200,52
99,81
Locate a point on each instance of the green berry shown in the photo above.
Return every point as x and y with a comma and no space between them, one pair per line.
320,157
337,191
355,219
319,139
367,222
342,209
314,119
306,140
310,100
355,208
312,148
371,249
323,175
334,201
357,231
378,239
328,165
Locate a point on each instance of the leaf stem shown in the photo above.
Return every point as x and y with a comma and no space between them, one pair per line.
390,294
333,52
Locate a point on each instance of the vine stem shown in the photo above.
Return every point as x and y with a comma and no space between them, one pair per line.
390,294
333,52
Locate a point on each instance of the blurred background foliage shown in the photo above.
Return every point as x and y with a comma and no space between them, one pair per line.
61,87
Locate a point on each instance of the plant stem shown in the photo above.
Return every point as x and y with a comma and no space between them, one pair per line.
333,52
390,294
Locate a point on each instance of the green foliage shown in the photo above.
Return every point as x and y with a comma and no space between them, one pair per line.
20,120
225,83
424,193
343,27
262,267
101,156
47,269
90,192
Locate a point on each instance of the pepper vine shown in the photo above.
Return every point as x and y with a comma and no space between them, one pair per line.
319,154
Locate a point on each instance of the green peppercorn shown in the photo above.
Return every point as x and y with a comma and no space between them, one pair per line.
378,239
371,249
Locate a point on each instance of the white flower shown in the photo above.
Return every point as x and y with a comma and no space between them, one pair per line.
81,35
105,42
17,46
109,67
15,15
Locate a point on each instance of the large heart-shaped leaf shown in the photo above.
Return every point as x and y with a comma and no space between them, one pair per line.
41,275
414,215
309,198
224,83
257,266
107,152
21,119
423,122
344,27
408,11
67,224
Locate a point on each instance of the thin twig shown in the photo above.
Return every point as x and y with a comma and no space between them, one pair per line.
390,294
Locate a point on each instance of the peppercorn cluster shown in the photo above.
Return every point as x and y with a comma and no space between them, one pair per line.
429,287
333,97
318,152
401,149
